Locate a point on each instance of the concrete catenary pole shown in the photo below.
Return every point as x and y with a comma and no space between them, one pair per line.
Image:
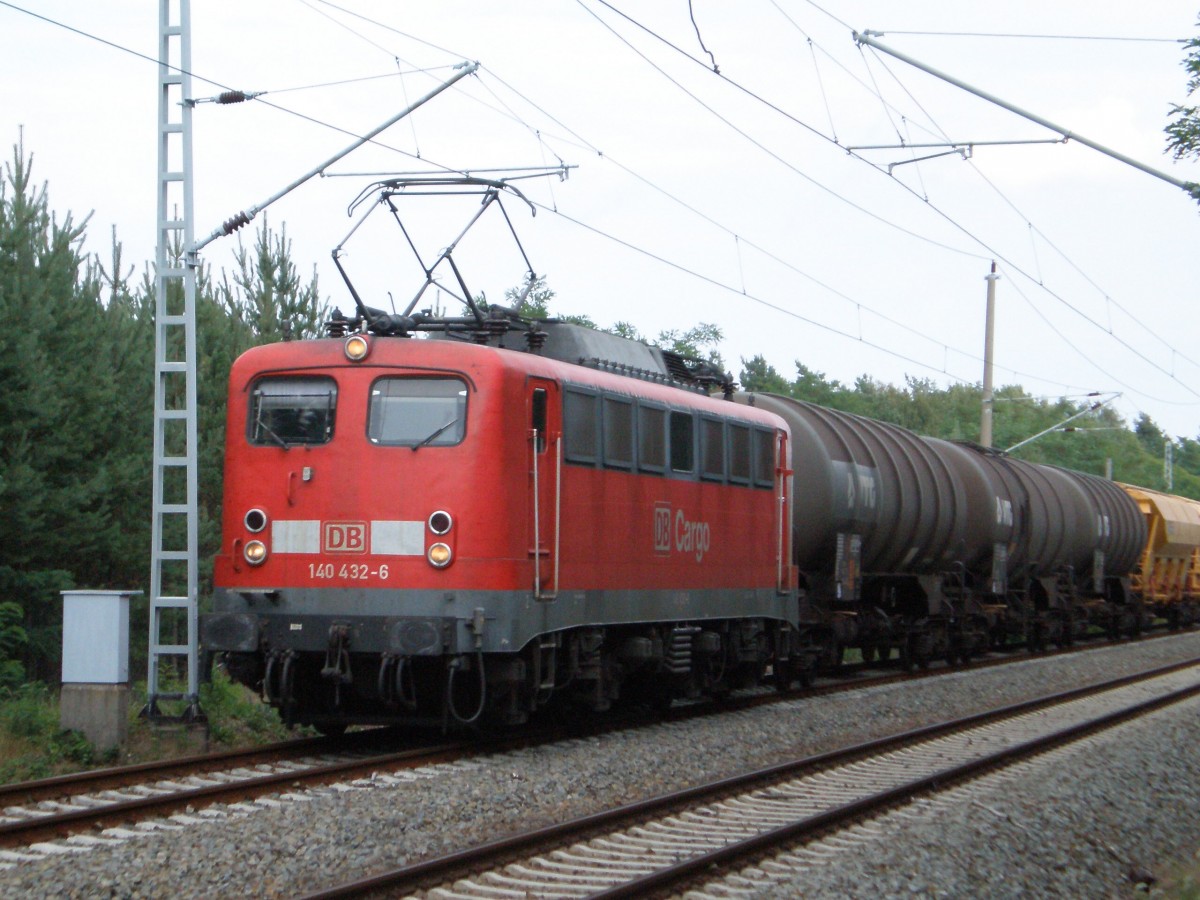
989,338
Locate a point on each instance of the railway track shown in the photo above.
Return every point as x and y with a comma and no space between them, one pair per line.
79,807
54,808
688,839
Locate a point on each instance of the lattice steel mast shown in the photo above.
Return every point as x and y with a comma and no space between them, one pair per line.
174,558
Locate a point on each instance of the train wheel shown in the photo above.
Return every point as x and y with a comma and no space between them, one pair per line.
955,652
786,674
916,652
835,655
1135,629
964,653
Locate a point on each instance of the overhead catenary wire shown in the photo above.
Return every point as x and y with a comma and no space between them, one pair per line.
1062,255
1039,279
775,156
316,121
1014,284
742,240
319,122
955,223
868,38
992,251
325,124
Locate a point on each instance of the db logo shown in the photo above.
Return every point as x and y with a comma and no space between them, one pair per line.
345,537
662,528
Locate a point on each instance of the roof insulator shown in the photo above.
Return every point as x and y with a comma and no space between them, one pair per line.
233,224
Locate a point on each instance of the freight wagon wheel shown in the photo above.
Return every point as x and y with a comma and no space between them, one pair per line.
1135,629
1036,638
958,654
1068,630
954,654
921,644
833,652
870,652
805,675
917,648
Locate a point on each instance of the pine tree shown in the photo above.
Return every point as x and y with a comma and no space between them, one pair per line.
57,437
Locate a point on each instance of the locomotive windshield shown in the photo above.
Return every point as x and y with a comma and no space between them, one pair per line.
417,412
289,411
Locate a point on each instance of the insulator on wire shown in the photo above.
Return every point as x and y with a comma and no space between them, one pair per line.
233,224
233,97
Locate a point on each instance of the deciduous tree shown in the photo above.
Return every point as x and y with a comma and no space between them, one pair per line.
1183,131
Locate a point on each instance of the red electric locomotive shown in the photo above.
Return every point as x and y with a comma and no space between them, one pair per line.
450,530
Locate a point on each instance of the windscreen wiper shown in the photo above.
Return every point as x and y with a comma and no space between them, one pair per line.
271,434
435,435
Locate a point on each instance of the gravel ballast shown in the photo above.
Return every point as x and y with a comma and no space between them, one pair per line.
1072,828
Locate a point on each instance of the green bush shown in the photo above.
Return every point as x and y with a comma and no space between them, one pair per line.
29,711
236,714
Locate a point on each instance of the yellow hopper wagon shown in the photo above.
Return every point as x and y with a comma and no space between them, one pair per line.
1168,576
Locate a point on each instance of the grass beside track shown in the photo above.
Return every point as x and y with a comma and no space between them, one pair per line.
33,745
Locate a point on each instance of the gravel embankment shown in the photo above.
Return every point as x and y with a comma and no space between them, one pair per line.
1141,796
1112,816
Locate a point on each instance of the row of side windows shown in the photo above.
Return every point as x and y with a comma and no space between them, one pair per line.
622,433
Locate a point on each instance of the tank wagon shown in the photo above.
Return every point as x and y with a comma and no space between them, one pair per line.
938,549
451,531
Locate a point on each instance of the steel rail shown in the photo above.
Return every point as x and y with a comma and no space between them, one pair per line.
432,871
81,787
167,801
802,829
56,786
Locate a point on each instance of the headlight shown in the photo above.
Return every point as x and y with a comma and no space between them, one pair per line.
255,553
439,555
255,520
357,347
440,522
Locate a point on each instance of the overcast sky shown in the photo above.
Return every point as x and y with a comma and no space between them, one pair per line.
736,198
